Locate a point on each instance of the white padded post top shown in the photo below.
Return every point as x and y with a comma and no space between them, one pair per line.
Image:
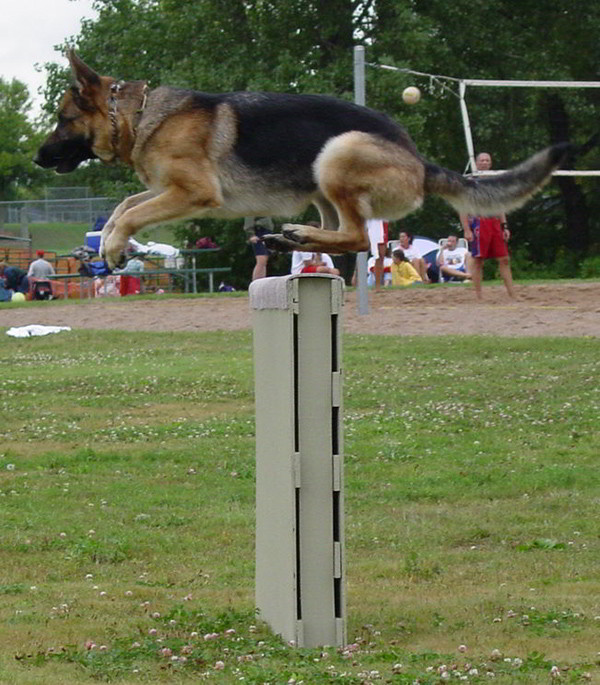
275,292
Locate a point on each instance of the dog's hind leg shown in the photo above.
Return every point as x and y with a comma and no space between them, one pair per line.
329,221
343,228
329,216
350,237
343,210
363,177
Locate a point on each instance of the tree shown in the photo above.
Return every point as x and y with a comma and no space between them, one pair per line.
18,141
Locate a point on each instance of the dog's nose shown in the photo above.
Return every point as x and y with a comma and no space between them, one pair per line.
43,159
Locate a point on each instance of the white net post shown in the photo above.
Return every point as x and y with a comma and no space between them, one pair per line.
300,586
462,90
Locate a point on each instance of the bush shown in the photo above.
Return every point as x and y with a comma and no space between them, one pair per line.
590,267
564,264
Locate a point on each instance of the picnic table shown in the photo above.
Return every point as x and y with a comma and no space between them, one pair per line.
190,273
85,283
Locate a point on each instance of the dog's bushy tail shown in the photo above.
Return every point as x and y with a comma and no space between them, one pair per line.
489,195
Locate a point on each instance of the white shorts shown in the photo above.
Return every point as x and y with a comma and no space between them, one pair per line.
378,234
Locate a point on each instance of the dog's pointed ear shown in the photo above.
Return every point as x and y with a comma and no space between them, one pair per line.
85,77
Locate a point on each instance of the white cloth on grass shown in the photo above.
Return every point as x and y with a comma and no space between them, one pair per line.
34,329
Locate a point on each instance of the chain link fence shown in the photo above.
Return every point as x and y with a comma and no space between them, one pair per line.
72,210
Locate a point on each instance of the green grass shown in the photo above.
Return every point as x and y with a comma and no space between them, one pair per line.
127,468
64,237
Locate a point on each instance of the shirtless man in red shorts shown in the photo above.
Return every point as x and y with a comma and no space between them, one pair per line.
488,237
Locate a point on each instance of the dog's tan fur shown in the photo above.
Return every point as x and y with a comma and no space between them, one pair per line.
188,157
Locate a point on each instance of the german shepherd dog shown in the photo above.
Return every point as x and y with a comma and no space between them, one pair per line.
232,155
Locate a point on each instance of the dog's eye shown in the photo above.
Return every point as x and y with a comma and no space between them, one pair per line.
64,120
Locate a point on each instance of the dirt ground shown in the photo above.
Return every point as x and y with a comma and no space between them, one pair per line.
562,309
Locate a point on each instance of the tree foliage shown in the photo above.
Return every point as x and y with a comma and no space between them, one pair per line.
17,140
306,46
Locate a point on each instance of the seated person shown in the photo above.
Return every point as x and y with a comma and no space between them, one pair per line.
403,272
5,295
387,271
413,255
313,263
453,260
14,278
134,265
40,267
107,287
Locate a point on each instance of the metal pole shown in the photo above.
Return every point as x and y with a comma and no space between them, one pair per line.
361,257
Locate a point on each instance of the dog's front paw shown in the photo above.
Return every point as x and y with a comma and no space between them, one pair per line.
113,253
106,231
119,264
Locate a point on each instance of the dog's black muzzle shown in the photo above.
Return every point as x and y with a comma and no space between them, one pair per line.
64,155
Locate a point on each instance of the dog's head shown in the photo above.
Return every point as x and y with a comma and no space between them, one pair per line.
84,128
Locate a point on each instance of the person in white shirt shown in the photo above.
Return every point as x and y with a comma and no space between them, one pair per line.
313,262
40,267
453,260
387,271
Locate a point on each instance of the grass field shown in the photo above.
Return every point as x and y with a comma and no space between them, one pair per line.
127,510
64,237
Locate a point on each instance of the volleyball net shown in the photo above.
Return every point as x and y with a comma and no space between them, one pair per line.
458,87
